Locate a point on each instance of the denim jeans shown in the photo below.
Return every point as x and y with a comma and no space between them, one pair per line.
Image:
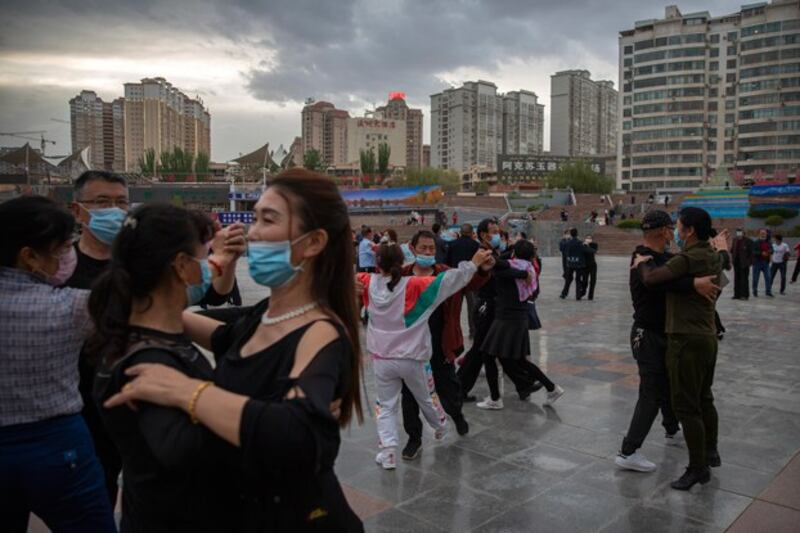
760,267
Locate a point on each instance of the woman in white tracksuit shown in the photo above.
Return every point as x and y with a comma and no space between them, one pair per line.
398,338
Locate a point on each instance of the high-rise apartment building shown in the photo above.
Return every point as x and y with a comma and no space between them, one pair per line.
159,116
325,129
467,127
100,126
704,94
523,123
426,155
583,115
368,133
397,109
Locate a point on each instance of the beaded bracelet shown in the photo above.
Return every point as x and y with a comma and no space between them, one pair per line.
196,396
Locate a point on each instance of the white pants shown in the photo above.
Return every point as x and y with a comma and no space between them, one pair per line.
389,377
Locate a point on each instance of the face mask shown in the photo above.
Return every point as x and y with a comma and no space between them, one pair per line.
738,233
106,223
66,267
408,255
426,261
495,242
503,246
196,293
678,241
270,263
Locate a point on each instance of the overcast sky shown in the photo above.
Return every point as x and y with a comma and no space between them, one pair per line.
255,62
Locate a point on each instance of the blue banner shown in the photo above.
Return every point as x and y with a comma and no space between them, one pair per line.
790,189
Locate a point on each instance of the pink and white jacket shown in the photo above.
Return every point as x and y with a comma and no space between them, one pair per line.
398,319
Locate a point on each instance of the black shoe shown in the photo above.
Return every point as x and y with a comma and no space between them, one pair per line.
770,295
693,475
712,456
412,450
462,428
563,297
526,393
469,398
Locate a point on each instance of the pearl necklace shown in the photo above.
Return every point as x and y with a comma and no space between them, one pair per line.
267,321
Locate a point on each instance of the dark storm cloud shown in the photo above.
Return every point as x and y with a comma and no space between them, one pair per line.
345,49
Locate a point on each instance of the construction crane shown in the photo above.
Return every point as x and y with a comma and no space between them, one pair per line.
23,135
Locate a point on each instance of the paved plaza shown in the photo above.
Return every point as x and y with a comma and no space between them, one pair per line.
527,468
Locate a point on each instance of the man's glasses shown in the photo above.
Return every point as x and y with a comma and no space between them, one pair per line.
104,203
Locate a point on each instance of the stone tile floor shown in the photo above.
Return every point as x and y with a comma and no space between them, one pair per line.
529,468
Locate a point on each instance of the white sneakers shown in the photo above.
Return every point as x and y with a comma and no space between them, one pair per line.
488,403
556,393
387,459
634,461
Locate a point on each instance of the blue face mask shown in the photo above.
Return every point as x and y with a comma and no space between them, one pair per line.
426,261
270,262
503,246
496,240
408,255
196,293
105,223
678,241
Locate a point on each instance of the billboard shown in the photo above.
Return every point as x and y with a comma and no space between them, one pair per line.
537,166
406,197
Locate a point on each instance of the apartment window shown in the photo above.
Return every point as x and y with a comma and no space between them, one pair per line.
713,92
713,66
730,91
714,52
730,78
730,118
712,106
661,41
731,63
626,100
715,38
730,104
732,35
628,50
732,50
628,61
713,79
712,118
712,160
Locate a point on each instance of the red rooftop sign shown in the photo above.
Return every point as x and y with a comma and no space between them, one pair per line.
397,96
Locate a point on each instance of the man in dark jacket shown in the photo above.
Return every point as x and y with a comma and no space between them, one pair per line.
649,343
447,342
742,256
462,249
762,253
591,265
575,252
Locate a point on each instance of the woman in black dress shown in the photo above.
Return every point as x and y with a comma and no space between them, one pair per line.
508,338
283,364
158,267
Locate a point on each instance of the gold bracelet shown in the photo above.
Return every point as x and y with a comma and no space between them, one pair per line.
196,396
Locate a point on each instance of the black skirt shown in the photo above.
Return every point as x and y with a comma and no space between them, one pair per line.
508,339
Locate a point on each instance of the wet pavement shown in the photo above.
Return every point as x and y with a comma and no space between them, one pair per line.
529,468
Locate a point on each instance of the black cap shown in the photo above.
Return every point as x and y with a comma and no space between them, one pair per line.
656,219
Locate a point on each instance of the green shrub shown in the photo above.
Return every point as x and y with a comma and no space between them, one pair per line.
783,212
630,223
774,220
534,207
794,232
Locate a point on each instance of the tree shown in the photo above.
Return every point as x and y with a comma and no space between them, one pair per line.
201,166
367,162
384,151
312,160
448,180
147,162
580,177
481,187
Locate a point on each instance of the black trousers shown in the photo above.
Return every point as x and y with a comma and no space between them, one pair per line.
774,268
522,373
473,360
649,349
741,282
579,274
448,388
796,270
591,279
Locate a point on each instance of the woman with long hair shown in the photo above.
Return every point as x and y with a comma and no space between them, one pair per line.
47,461
281,366
399,340
158,267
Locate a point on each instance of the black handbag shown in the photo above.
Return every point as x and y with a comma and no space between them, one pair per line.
533,317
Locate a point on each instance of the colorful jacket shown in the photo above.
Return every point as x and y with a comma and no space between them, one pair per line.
452,337
398,319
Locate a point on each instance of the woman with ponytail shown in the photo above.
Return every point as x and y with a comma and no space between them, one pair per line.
47,462
158,267
283,365
399,340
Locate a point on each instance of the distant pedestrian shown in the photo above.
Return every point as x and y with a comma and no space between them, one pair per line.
796,264
742,257
591,265
762,253
780,256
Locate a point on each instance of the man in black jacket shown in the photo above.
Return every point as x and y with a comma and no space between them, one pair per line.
591,265
576,253
742,258
649,343
462,249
